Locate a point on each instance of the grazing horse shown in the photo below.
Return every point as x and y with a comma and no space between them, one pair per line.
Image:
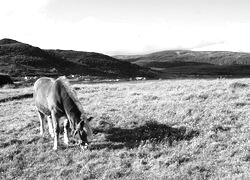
55,99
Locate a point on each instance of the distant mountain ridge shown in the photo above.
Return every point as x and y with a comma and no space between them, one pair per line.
210,57
184,62
20,59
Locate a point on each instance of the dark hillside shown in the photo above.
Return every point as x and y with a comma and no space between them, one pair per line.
20,59
104,63
183,62
7,41
209,57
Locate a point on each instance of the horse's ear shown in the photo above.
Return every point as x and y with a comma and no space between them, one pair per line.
89,119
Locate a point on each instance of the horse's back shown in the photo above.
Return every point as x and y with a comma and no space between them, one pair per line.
42,89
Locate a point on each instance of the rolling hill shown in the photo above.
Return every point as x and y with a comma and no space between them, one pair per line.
194,63
20,59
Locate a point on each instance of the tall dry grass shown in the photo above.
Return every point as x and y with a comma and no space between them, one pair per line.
181,129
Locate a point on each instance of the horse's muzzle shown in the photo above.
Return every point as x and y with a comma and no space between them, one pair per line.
84,146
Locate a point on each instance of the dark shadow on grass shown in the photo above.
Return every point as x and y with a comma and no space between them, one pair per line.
117,138
17,97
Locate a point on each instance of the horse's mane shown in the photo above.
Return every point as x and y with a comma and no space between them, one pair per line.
71,92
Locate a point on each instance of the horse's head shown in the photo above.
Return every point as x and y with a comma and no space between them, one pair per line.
83,132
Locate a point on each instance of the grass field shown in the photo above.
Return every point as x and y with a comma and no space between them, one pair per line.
169,129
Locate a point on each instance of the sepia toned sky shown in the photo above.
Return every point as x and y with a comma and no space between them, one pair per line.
128,26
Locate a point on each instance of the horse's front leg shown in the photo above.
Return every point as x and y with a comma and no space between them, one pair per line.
66,131
55,120
41,118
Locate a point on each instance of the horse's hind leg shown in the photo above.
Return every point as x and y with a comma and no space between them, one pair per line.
50,124
66,131
55,119
41,118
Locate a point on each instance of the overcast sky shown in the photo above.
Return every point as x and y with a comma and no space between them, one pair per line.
128,26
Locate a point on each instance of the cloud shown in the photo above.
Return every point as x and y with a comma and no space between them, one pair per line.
21,19
233,37
26,21
206,44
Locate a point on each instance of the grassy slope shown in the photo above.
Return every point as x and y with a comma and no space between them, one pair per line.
155,129
19,59
209,57
185,63
104,63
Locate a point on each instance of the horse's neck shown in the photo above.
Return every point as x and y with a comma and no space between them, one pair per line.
70,108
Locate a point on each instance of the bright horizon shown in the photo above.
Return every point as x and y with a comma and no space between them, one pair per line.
117,27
